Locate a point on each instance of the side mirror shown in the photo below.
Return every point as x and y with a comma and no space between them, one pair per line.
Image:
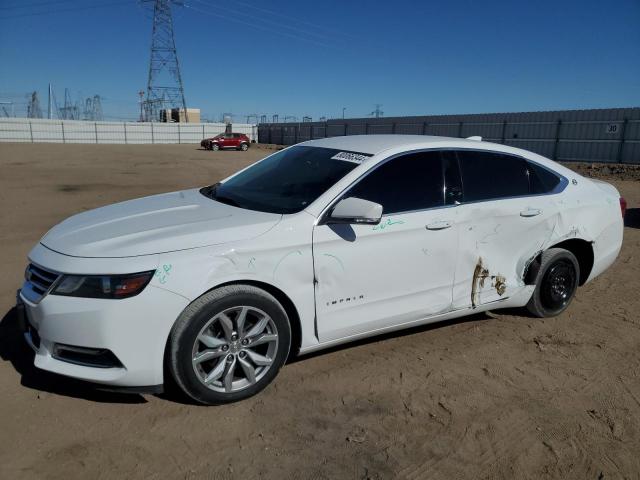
354,210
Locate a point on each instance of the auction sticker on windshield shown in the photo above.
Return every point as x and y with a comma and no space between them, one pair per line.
350,157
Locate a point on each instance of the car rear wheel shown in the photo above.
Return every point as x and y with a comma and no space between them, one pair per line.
556,283
215,147
229,344
244,147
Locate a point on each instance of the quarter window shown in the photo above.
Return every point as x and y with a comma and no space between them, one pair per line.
488,175
541,180
406,183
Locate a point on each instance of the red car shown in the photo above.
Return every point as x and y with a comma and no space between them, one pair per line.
238,141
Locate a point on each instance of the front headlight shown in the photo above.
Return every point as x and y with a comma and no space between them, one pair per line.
102,286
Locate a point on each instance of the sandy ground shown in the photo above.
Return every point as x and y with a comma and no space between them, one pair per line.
493,396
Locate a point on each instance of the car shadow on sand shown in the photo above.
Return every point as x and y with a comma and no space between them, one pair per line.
405,332
14,349
632,218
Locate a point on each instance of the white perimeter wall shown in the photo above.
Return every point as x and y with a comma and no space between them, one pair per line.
77,131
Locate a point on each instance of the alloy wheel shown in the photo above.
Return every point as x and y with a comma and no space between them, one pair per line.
235,349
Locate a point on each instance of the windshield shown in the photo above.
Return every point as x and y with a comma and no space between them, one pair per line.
287,181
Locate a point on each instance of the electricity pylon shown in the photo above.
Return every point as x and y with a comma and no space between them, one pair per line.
69,111
93,109
164,85
33,108
377,112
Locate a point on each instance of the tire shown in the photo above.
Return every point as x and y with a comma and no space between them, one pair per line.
215,147
244,147
207,354
556,283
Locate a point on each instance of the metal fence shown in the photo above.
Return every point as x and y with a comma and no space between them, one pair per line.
603,135
76,131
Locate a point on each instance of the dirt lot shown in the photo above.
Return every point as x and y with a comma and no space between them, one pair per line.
492,396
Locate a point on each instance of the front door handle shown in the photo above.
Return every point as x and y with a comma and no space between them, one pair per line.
441,225
530,212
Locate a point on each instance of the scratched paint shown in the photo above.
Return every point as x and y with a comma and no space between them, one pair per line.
480,274
277,265
388,223
336,259
163,273
484,239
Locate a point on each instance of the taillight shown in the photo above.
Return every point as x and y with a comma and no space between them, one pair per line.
623,206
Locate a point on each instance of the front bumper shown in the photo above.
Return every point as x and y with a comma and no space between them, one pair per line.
135,330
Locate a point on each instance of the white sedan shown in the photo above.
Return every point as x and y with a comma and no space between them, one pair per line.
321,243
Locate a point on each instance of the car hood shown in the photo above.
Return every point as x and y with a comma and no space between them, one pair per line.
156,224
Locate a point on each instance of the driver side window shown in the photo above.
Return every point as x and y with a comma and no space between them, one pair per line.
406,183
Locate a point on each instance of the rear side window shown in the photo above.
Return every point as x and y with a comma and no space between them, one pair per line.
488,175
541,180
409,182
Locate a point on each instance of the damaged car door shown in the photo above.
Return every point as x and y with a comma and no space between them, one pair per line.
506,215
401,270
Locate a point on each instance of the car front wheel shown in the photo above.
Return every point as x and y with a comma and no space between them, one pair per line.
244,147
556,283
229,344
215,147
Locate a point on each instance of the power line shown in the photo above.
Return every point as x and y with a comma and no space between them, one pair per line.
52,12
38,4
261,27
266,20
298,20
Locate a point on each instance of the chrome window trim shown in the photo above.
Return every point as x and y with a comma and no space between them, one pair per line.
562,184
564,181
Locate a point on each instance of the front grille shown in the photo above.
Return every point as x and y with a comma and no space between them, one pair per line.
38,282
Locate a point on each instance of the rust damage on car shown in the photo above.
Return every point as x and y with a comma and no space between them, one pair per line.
480,273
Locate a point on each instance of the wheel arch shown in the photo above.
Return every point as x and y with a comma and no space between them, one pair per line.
280,296
580,248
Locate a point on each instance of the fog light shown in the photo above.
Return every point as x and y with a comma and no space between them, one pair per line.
88,357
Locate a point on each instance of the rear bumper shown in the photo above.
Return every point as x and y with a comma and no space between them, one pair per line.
133,330
606,247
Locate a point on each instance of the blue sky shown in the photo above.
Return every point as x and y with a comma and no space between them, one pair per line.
313,58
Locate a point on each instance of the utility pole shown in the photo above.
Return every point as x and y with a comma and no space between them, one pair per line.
50,100
343,109
164,84
141,95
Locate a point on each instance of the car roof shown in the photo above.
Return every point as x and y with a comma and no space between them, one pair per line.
374,144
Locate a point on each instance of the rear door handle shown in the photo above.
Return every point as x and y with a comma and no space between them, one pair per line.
530,212
441,225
